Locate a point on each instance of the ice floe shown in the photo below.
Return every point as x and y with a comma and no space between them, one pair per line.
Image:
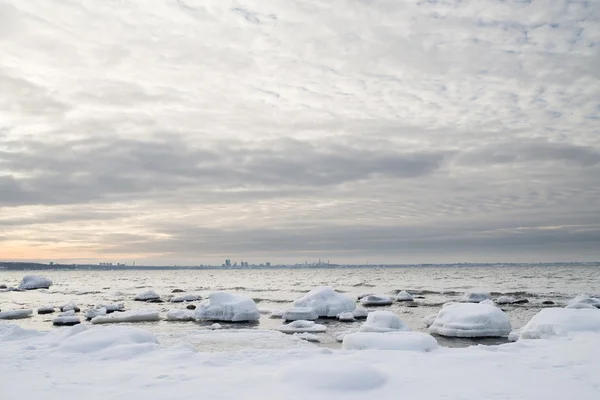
376,300
148,295
299,313
222,306
471,320
185,297
31,282
15,314
585,299
475,297
346,317
399,340
404,296
67,318
302,326
127,316
551,322
383,321
45,310
326,302
180,315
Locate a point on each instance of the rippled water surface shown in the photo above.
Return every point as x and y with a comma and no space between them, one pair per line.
277,288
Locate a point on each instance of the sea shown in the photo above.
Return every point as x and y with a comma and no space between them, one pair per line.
275,289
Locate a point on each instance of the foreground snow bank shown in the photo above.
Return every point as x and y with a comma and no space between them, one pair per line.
584,299
31,282
415,341
180,315
471,320
326,302
127,316
222,306
383,321
103,339
551,322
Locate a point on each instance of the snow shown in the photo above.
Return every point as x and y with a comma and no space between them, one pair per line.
360,313
328,375
45,310
180,315
70,306
376,300
309,337
102,340
216,326
551,322
298,313
404,296
94,312
110,308
383,321
277,314
302,326
399,340
471,320
489,302
31,282
505,300
15,314
476,297
346,317
580,306
185,297
66,318
428,320
148,295
585,299
127,316
326,302
222,306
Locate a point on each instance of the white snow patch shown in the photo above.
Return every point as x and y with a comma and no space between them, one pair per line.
222,306
299,313
30,282
302,326
94,312
475,297
471,320
127,316
326,302
551,322
15,314
309,337
383,321
399,340
360,313
216,326
376,300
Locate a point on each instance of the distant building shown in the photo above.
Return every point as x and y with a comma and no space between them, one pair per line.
228,263
268,264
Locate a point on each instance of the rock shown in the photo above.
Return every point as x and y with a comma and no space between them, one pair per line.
360,313
148,296
216,326
520,301
70,306
300,313
222,306
419,297
548,302
3,286
178,291
346,317
154,301
326,302
471,320
505,300
67,318
376,300
180,315
45,310
190,307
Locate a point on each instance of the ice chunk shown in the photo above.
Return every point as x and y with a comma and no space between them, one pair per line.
45,310
297,313
488,302
376,300
585,299
111,308
180,315
580,306
31,282
15,314
399,340
360,313
449,303
216,326
185,297
326,302
222,306
471,320
67,318
276,314
127,316
94,312
551,322
148,295
405,296
428,320
505,300
332,376
383,321
475,297
346,317
70,306
309,337
302,326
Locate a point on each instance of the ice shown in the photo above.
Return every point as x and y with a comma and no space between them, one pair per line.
399,340
332,376
360,313
346,317
148,295
31,282
309,337
277,314
222,306
66,318
476,297
185,297
471,320
45,310
489,302
376,300
110,308
70,306
551,322
302,326
383,321
94,312
326,302
298,313
216,326
107,338
127,316
580,306
428,320
585,299
180,315
505,300
15,314
404,296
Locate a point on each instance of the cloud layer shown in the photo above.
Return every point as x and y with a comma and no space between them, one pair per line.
187,131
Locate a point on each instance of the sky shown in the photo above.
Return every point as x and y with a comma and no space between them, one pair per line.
381,131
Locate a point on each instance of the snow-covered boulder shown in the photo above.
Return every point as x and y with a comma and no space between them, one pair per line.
326,302
360,313
449,303
127,316
111,308
302,326
428,320
346,317
67,318
300,313
276,314
216,326
31,282
185,297
222,306
505,300
585,299
399,340
148,295
471,320
94,312
489,302
376,300
45,310
70,306
551,322
15,314
404,296
580,306
180,315
383,321
475,297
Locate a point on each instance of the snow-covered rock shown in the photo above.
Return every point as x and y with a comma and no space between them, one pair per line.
551,322
383,321
309,337
31,282
15,314
326,302
475,297
222,306
585,299
346,317
471,320
45,310
148,295
360,313
94,312
216,326
70,306
300,313
580,306
489,302
127,316
449,303
376,300
302,326
185,297
180,315
399,340
67,318
505,300
404,296
276,314
428,320
111,308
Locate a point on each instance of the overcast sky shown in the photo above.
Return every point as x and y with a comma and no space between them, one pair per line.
190,131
